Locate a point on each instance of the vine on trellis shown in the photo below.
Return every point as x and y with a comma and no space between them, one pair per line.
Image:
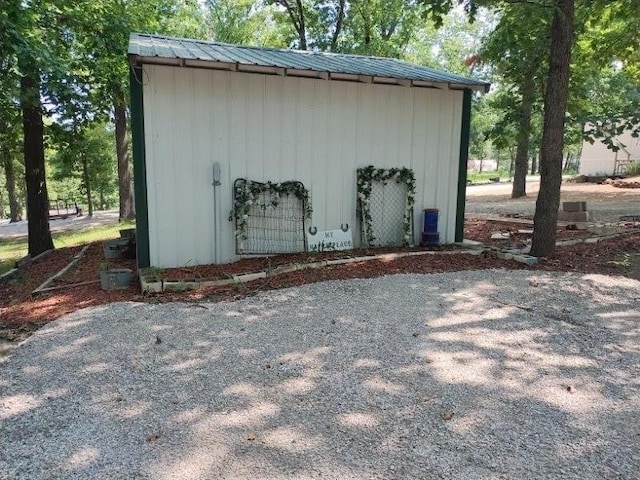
369,174
247,195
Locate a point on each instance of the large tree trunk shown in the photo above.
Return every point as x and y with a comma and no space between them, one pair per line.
10,177
522,153
555,105
37,199
127,211
87,183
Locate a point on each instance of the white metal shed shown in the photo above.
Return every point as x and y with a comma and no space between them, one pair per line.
597,159
273,115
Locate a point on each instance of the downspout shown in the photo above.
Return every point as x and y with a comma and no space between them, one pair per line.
462,166
216,230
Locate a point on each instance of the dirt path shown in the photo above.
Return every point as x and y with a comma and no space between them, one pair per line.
604,202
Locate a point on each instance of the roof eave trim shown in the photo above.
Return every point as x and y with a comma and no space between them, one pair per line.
296,72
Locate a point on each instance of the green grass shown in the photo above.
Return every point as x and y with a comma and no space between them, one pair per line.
12,250
475,177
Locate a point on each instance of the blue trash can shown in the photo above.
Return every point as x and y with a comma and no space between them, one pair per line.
430,235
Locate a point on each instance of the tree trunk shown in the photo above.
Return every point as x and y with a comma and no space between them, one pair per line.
336,32
37,199
511,161
522,152
87,184
534,163
127,210
10,177
101,199
555,105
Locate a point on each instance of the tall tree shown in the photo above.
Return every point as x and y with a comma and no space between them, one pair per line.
555,106
10,136
517,49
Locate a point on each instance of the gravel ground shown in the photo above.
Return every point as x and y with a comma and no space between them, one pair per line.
487,374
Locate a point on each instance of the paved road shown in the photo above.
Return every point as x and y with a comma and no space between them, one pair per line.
19,229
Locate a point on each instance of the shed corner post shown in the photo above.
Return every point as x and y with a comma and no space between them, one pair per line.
462,167
139,166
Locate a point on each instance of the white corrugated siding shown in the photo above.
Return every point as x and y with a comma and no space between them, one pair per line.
597,159
271,128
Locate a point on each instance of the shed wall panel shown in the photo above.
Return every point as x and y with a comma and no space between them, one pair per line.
269,128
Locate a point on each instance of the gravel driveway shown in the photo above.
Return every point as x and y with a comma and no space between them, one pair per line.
488,374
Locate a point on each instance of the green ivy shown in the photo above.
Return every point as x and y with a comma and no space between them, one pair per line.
247,193
366,176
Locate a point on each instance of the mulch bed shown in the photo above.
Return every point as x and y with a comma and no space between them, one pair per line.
251,265
481,231
20,310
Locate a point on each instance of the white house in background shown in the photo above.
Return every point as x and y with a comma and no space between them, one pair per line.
485,165
597,159
207,115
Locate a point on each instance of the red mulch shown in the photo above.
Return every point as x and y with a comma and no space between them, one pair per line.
18,308
481,231
249,265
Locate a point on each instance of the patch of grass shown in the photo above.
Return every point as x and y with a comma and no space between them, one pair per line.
475,177
12,250
634,169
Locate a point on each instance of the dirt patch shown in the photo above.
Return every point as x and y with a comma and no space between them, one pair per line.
605,203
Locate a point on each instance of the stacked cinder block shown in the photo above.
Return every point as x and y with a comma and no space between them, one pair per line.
575,213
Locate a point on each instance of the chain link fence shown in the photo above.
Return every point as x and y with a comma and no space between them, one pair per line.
388,205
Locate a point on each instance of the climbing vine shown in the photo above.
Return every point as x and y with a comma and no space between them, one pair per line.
366,176
248,195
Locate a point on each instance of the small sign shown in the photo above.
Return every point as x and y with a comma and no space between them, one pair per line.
330,240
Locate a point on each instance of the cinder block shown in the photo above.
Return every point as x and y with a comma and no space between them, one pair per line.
505,255
574,206
573,216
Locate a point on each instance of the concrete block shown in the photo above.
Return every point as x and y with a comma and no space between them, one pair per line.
505,255
573,216
526,259
249,277
574,206
179,286
149,285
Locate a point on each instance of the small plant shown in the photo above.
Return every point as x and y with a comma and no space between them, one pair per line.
634,169
153,273
103,267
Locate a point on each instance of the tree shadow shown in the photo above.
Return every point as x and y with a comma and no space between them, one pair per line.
472,375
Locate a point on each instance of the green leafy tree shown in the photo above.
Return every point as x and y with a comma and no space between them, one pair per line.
85,153
517,50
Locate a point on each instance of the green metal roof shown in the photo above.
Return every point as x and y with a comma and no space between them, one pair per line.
157,49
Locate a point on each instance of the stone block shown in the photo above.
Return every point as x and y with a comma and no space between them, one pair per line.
574,206
526,259
573,216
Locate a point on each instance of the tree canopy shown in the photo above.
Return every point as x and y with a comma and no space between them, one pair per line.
64,76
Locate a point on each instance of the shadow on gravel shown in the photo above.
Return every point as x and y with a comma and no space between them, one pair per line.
470,375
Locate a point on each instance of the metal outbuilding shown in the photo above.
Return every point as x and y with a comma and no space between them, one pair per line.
206,114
